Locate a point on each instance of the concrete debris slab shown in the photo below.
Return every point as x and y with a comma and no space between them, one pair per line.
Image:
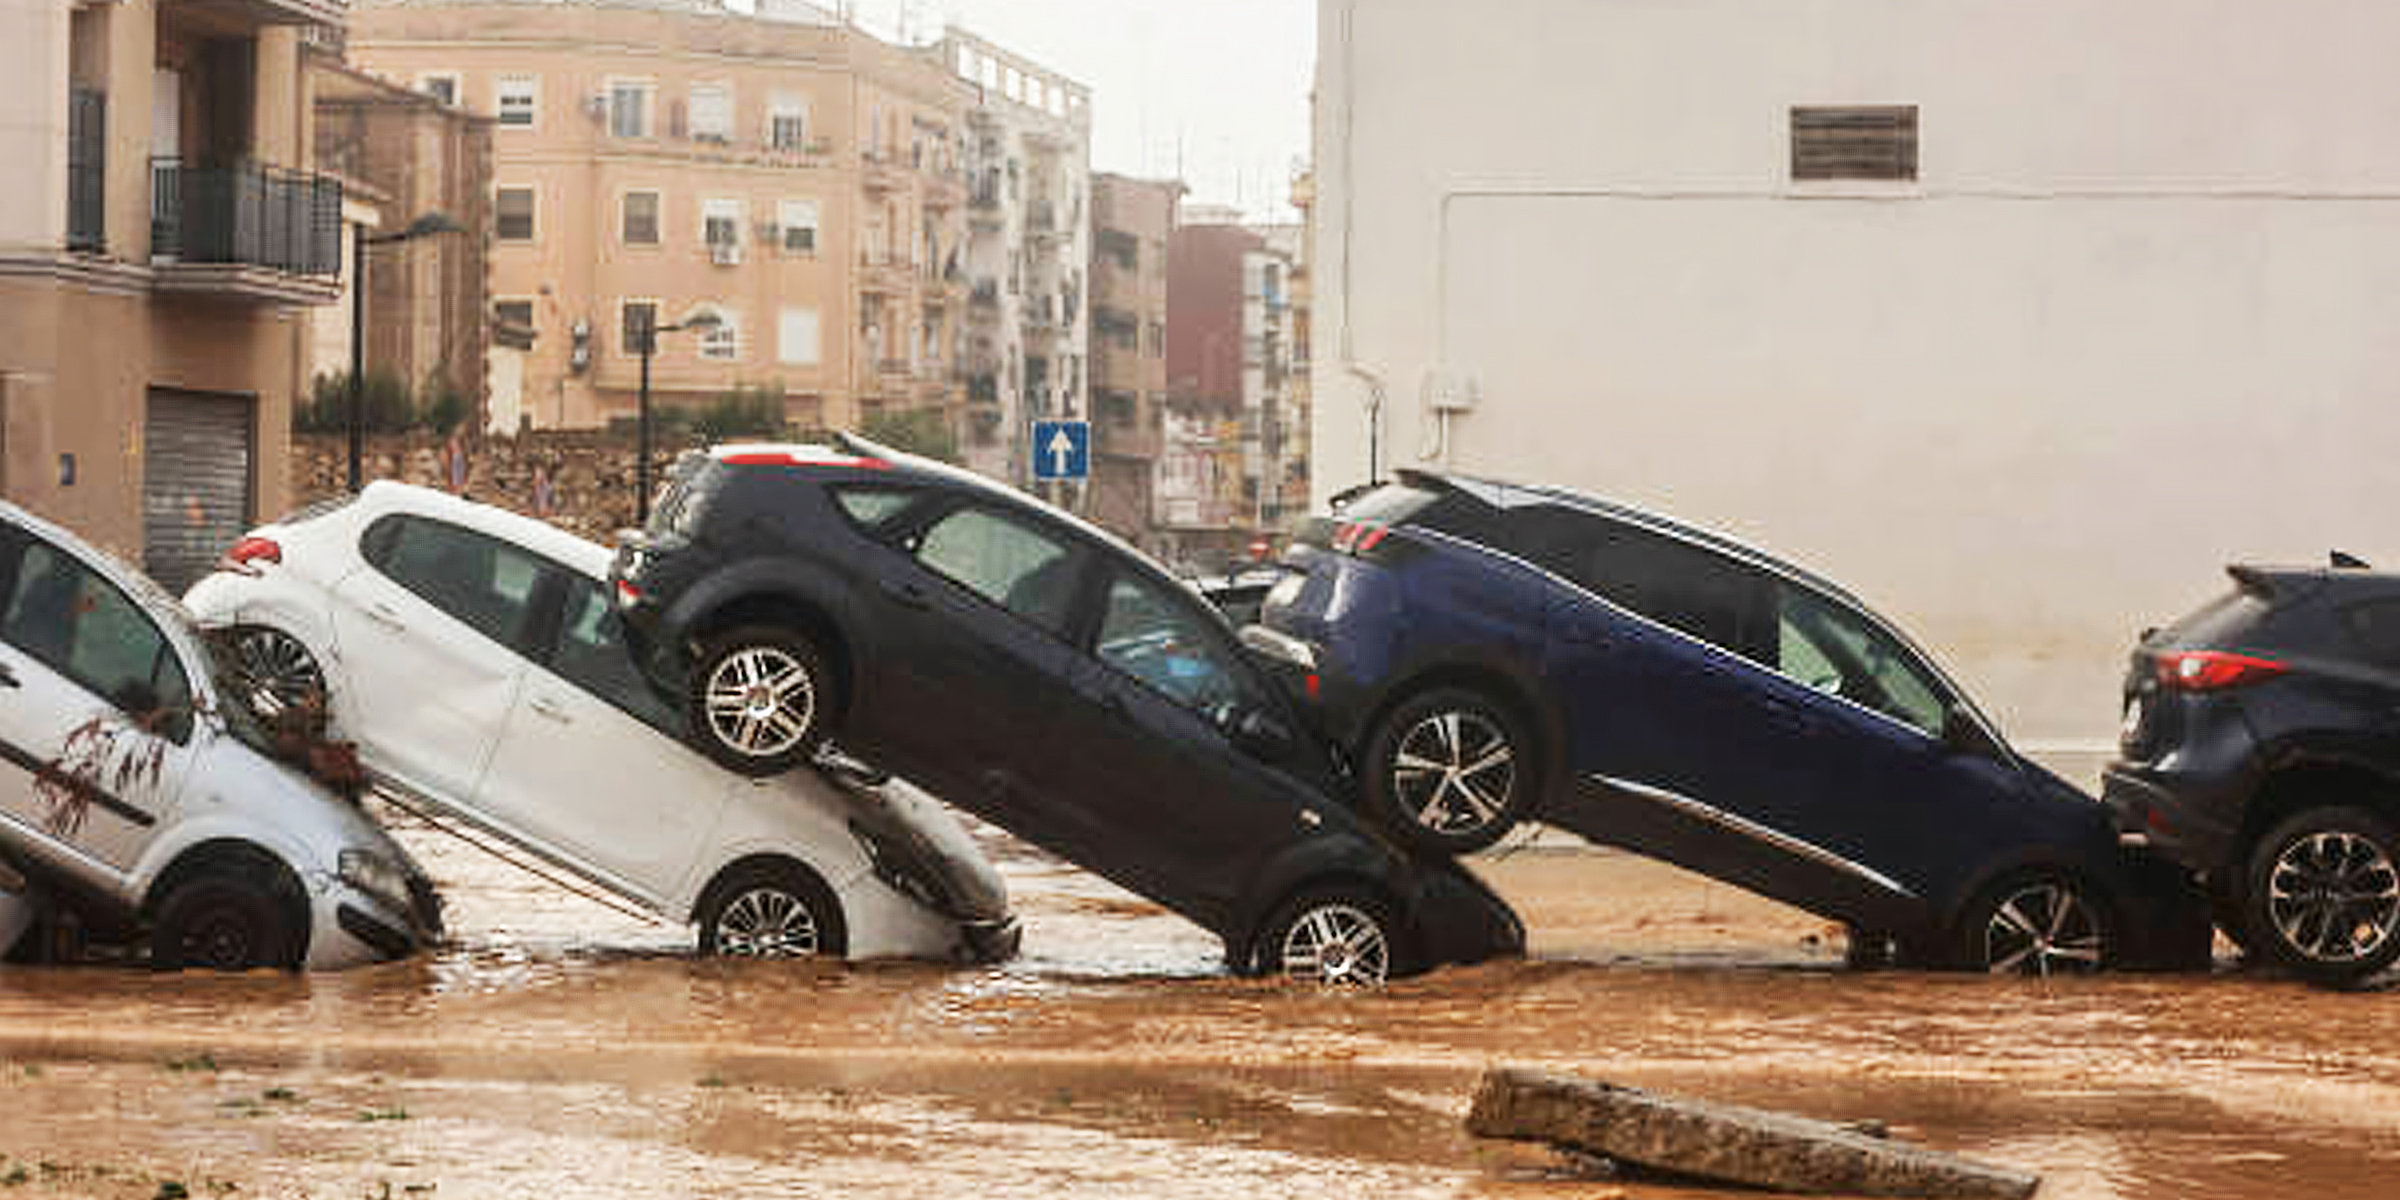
1727,1143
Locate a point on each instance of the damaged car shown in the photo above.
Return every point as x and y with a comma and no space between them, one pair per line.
1489,654
134,797
1035,671
473,657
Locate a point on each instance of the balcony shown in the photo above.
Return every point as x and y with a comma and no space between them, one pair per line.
882,171
246,232
886,273
944,190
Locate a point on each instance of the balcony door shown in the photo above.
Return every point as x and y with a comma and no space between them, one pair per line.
166,113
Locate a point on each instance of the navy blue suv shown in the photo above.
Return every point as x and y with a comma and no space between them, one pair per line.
1036,672
1489,653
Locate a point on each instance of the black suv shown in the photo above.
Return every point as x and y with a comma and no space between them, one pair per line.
2261,747
1033,670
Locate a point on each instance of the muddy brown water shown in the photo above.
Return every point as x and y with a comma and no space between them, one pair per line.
559,1049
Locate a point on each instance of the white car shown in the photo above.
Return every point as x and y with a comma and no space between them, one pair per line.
132,794
474,657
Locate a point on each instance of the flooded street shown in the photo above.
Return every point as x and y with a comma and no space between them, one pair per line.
561,1049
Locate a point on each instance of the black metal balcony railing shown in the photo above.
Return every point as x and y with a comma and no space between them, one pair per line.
252,215
87,170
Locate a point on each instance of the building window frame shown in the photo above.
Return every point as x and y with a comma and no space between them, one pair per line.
517,96
625,307
646,123
730,211
722,109
533,213
815,342
792,138
658,217
1853,145
453,82
786,227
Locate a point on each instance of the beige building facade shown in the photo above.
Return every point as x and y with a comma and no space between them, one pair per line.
160,244
1131,222
795,180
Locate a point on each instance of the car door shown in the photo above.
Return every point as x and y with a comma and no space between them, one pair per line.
971,606
1690,747
590,764
1148,759
430,637
91,686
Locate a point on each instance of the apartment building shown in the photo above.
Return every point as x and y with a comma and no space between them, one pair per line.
794,181
1226,451
161,240
1028,153
1131,222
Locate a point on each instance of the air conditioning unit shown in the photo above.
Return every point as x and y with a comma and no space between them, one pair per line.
725,254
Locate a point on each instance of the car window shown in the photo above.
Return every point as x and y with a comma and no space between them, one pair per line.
477,578
872,505
69,618
1833,649
1687,588
1146,634
1005,561
591,653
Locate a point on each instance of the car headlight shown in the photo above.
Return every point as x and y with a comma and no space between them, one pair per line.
377,876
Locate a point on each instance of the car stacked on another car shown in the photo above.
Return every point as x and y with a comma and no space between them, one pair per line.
1489,653
2261,748
473,656
1033,670
135,795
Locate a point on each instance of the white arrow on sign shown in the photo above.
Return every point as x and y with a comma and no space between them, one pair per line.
1061,449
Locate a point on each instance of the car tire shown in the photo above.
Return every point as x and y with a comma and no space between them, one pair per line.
2041,922
759,700
2290,915
1340,936
1450,771
278,672
771,910
223,922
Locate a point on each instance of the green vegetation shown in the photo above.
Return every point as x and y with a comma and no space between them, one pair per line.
198,1062
391,406
924,431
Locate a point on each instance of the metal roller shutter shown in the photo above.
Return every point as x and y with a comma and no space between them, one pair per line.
195,482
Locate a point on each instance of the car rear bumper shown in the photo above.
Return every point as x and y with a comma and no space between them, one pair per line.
2192,819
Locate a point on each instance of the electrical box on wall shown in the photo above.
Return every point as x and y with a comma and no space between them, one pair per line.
1446,392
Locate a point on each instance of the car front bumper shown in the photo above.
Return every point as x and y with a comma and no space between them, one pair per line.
2190,818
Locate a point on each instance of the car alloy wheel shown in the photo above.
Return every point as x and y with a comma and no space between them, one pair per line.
767,922
1332,940
1450,771
759,700
2333,896
278,674
2042,926
221,922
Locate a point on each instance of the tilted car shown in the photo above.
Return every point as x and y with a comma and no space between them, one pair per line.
134,794
2261,748
1489,653
1033,670
473,657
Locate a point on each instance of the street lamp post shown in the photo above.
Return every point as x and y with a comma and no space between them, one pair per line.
424,226
647,345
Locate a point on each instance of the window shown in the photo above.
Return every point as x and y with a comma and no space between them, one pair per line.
797,221
515,98
787,123
640,224
592,654
712,112
721,342
1146,634
1834,650
636,319
1687,588
441,85
483,582
1854,143
797,334
516,313
629,109
69,619
872,505
721,222
1002,560
514,214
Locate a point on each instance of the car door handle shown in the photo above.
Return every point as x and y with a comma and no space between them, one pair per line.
385,614
907,595
545,706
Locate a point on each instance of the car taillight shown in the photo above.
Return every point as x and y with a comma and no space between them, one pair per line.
627,594
2214,670
249,552
1358,537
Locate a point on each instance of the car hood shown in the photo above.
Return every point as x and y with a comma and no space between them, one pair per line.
911,836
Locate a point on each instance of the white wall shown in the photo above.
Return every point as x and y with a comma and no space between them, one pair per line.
2139,316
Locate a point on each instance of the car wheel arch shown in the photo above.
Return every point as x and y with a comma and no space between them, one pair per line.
775,862
2302,781
234,856
1403,935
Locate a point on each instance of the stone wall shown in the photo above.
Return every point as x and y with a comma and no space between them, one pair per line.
591,471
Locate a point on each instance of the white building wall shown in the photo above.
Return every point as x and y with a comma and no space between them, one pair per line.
2134,319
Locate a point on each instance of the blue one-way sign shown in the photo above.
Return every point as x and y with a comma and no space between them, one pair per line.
1062,449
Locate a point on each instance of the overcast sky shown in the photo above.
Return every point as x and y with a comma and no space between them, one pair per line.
1217,86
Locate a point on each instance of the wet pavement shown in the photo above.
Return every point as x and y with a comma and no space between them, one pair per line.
560,1049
